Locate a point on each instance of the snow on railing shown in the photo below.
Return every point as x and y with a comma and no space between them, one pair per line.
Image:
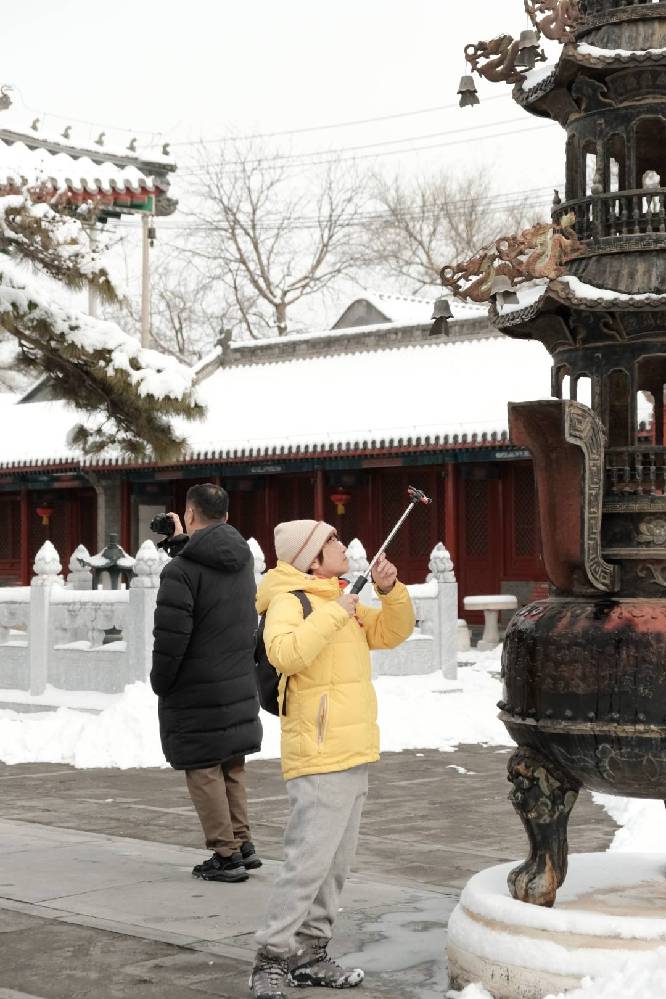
434,643
70,636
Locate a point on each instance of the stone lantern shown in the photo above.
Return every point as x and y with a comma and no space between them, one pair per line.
112,560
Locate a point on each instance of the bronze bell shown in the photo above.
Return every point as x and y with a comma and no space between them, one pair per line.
503,292
442,309
441,313
528,49
468,92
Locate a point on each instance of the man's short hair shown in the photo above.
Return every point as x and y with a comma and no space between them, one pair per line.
211,502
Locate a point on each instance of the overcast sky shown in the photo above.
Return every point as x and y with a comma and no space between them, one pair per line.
208,68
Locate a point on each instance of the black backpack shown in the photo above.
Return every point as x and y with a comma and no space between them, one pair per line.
268,677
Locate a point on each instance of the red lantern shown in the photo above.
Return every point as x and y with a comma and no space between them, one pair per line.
340,500
44,511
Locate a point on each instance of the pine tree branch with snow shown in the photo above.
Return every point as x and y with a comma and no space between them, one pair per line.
129,393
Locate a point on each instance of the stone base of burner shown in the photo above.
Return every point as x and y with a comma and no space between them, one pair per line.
611,908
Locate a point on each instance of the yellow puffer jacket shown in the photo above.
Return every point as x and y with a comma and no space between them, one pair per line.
331,709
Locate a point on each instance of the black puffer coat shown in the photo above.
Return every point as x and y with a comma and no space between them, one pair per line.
203,656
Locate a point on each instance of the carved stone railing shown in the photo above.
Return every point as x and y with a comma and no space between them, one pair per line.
635,471
14,613
434,643
617,213
73,637
86,616
68,643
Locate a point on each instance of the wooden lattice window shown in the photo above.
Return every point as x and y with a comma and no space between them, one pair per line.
522,543
525,528
477,518
10,531
296,498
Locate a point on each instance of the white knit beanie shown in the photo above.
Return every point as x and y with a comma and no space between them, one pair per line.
298,542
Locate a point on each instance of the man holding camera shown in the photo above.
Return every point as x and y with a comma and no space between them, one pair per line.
203,673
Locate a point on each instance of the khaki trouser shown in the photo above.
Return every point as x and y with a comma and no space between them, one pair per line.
319,845
219,797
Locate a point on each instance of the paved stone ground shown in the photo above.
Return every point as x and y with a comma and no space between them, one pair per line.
427,828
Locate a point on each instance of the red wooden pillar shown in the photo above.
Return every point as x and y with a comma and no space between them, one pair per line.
72,527
125,515
451,518
319,495
25,537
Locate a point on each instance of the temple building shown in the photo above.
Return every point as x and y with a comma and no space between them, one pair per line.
335,425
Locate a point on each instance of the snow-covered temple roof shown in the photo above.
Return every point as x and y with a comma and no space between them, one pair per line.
374,308
442,393
570,290
116,169
543,79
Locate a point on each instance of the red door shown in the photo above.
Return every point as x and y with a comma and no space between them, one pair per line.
411,548
480,534
72,522
10,539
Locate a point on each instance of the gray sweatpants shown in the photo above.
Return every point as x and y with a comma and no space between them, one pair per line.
319,844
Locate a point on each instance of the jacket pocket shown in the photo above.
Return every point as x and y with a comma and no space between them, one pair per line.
322,718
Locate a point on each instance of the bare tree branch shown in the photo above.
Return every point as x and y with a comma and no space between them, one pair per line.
272,238
420,226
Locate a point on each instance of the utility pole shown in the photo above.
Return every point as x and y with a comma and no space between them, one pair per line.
146,230
92,291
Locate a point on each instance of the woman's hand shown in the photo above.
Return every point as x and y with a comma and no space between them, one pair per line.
384,574
348,601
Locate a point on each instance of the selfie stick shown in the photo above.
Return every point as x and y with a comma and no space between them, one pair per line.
415,497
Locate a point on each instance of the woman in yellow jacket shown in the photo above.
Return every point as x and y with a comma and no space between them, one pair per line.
328,715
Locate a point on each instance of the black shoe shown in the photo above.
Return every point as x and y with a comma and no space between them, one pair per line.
218,868
311,965
249,855
269,977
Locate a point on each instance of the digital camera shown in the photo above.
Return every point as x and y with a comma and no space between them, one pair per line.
163,524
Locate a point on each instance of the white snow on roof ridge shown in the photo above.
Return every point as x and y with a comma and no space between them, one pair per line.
82,135
376,352
528,294
594,50
583,290
533,77
20,164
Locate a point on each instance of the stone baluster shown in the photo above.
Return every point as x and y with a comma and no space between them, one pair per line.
4,627
358,566
141,613
79,576
259,559
445,623
47,569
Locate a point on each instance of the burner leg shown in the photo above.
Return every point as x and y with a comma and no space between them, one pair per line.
543,795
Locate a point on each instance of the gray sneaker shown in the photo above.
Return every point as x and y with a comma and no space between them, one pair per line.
269,976
311,965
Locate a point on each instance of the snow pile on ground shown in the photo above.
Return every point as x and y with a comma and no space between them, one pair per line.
418,712
475,991
123,735
637,979
643,824
414,712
